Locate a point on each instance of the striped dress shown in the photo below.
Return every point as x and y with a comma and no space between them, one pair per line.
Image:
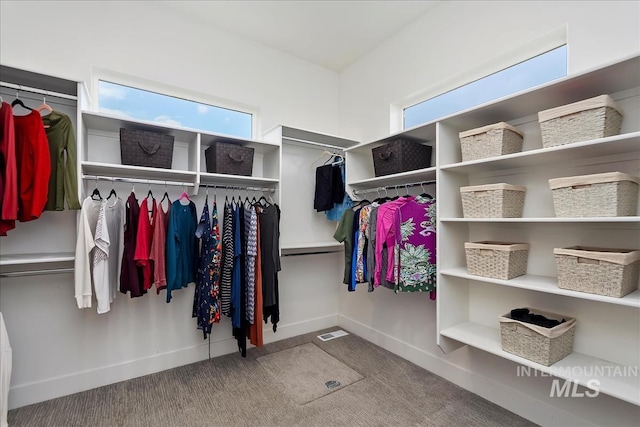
227,260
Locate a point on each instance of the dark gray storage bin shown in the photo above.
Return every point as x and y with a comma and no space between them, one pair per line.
401,155
233,159
144,148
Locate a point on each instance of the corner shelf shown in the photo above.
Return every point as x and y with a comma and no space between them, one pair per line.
619,144
626,388
545,284
399,179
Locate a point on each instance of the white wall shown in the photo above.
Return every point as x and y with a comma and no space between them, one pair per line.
457,37
152,41
58,349
452,39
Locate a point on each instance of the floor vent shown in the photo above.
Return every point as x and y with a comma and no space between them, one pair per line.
331,335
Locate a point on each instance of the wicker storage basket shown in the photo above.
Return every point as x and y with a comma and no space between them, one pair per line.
232,159
498,260
536,343
490,141
401,155
592,118
609,272
604,194
143,148
493,201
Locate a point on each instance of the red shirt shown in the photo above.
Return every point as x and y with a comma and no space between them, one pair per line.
34,165
143,243
9,196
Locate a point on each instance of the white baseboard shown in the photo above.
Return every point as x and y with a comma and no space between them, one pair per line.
50,388
512,399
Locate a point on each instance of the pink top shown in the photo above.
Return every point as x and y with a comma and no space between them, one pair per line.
143,242
158,246
385,232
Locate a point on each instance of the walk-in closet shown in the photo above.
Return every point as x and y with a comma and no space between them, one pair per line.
320,213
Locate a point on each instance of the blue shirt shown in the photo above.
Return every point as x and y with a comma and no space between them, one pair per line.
181,246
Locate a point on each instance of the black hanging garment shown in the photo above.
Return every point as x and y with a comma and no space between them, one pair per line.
270,250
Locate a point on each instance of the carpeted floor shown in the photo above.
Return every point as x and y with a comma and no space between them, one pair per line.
230,390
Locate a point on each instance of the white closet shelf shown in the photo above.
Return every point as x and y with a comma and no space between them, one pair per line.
36,264
619,144
260,147
225,179
139,172
617,219
112,123
307,247
396,179
545,284
26,259
576,367
424,133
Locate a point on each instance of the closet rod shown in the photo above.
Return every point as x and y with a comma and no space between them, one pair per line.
36,90
387,187
138,180
233,187
318,144
36,272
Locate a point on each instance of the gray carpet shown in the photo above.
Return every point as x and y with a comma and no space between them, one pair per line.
230,390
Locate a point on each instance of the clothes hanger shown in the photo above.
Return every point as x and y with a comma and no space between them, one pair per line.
96,192
112,192
166,194
424,193
321,155
19,102
44,107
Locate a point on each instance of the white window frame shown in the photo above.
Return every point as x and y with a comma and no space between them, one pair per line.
110,76
552,40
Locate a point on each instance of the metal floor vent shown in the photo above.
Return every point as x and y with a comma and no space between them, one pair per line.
331,335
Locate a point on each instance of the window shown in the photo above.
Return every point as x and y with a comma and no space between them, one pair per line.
540,69
145,105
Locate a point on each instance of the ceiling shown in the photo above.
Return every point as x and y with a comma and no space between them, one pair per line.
332,34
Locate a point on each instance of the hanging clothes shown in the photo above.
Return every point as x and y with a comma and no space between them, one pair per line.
92,252
158,245
144,239
34,165
62,151
250,232
205,306
131,277
216,260
255,330
227,259
238,318
8,171
338,209
344,234
270,250
181,258
115,218
385,232
236,278
416,246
